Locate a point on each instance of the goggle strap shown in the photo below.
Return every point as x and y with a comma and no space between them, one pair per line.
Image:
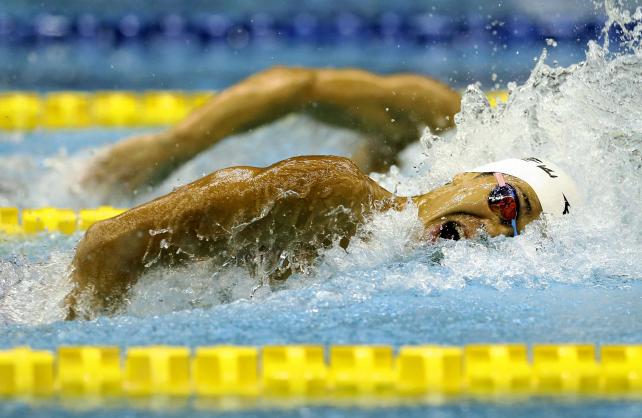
502,182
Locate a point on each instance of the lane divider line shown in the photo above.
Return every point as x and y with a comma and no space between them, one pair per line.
202,28
303,371
53,220
26,111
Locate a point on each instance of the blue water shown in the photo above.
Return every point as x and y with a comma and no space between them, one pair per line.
599,313
542,408
569,280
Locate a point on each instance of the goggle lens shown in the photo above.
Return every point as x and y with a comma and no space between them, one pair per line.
503,200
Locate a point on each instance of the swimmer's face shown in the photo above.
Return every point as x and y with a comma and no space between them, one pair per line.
459,209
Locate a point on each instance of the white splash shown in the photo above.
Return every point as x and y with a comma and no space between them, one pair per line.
33,292
588,119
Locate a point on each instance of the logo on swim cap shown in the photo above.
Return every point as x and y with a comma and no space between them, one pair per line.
555,190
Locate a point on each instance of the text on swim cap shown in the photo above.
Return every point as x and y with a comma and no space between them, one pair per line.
542,166
566,205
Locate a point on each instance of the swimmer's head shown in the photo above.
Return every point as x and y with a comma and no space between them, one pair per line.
466,205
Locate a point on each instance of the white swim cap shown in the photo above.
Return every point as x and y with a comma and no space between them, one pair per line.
555,190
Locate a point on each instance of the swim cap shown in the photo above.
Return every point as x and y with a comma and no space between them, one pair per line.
555,190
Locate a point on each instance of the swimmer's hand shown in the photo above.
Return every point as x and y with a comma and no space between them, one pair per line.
129,167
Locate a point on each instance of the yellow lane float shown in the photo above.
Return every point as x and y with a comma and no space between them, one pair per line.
304,371
25,111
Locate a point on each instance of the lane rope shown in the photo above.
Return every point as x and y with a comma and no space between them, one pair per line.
311,371
53,220
202,29
26,111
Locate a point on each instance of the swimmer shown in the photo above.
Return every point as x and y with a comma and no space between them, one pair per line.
275,220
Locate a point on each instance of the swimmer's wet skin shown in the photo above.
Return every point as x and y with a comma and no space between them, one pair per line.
294,207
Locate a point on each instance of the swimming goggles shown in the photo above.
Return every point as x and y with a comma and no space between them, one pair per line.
503,201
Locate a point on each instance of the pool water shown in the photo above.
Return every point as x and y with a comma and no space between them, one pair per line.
575,279
553,409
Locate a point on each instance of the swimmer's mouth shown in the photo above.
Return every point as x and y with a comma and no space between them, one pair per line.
448,230
451,230
463,226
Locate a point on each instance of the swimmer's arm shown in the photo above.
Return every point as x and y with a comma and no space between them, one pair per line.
388,109
146,160
296,205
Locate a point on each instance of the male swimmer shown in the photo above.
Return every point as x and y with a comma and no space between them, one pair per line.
275,220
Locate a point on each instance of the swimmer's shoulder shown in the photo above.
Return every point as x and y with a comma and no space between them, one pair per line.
313,169
317,164
324,176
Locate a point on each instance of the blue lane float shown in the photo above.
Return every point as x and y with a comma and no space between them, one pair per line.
419,28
